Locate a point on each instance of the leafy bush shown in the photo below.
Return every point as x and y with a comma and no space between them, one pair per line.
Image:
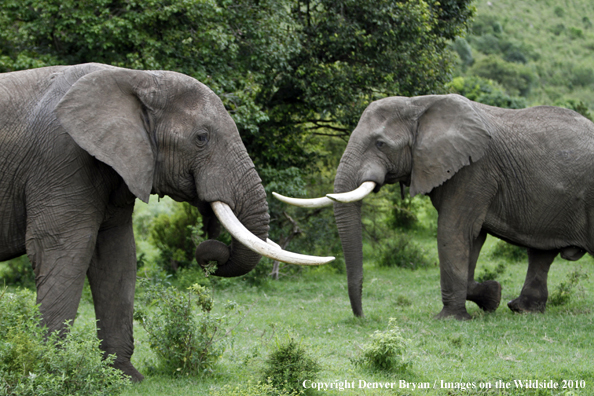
490,273
289,365
177,235
564,291
464,51
575,105
515,77
72,365
186,337
399,251
485,91
386,350
508,251
18,272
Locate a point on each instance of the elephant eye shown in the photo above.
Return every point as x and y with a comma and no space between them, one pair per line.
202,138
379,144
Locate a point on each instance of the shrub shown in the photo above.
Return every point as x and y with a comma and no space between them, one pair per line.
177,235
490,273
186,337
399,251
289,365
464,51
386,350
508,251
564,291
18,272
515,77
575,105
485,91
72,365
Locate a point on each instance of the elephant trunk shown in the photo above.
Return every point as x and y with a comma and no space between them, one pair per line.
251,209
348,222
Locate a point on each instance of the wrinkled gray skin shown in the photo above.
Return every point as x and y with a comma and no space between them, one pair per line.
78,144
525,176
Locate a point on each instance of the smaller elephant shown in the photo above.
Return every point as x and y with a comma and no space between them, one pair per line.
524,176
78,145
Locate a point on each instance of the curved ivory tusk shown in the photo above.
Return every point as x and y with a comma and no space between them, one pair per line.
249,240
272,243
353,196
304,202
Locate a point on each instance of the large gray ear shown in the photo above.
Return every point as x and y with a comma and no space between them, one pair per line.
105,112
451,133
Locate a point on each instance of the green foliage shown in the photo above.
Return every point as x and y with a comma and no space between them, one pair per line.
72,365
491,273
186,337
177,234
485,91
509,252
464,51
517,79
17,272
251,389
564,291
289,365
401,251
575,105
386,351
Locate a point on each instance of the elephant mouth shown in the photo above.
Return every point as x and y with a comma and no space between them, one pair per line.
346,197
264,248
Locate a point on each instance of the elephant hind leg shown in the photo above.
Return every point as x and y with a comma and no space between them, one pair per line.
487,295
533,297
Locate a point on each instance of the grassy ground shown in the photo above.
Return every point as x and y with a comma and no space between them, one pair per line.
502,346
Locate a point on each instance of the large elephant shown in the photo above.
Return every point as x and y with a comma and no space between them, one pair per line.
78,144
524,176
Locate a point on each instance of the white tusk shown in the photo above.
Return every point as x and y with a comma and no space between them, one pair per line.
353,196
272,243
304,202
249,240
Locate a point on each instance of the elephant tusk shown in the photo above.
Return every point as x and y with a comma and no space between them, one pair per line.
272,243
252,242
304,202
353,196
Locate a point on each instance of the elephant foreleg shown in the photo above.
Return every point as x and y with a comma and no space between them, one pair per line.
454,253
487,295
533,297
112,276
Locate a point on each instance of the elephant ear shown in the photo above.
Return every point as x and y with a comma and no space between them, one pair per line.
106,113
451,134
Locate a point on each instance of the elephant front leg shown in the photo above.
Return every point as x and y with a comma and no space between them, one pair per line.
487,295
112,276
454,252
533,297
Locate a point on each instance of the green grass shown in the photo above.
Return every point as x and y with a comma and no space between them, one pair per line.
557,345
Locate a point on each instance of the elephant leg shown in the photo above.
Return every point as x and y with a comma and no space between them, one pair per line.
487,295
60,256
533,297
454,253
112,276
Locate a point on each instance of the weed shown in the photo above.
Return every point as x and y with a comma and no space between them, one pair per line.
250,389
385,351
508,251
69,365
401,252
186,337
490,273
564,291
289,365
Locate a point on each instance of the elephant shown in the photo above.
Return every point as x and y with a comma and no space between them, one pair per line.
78,145
524,176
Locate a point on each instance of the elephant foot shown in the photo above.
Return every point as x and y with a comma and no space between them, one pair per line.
486,295
525,304
127,368
458,314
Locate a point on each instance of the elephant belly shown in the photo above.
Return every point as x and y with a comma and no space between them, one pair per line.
543,225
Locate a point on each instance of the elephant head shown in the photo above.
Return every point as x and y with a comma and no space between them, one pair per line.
420,142
166,133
